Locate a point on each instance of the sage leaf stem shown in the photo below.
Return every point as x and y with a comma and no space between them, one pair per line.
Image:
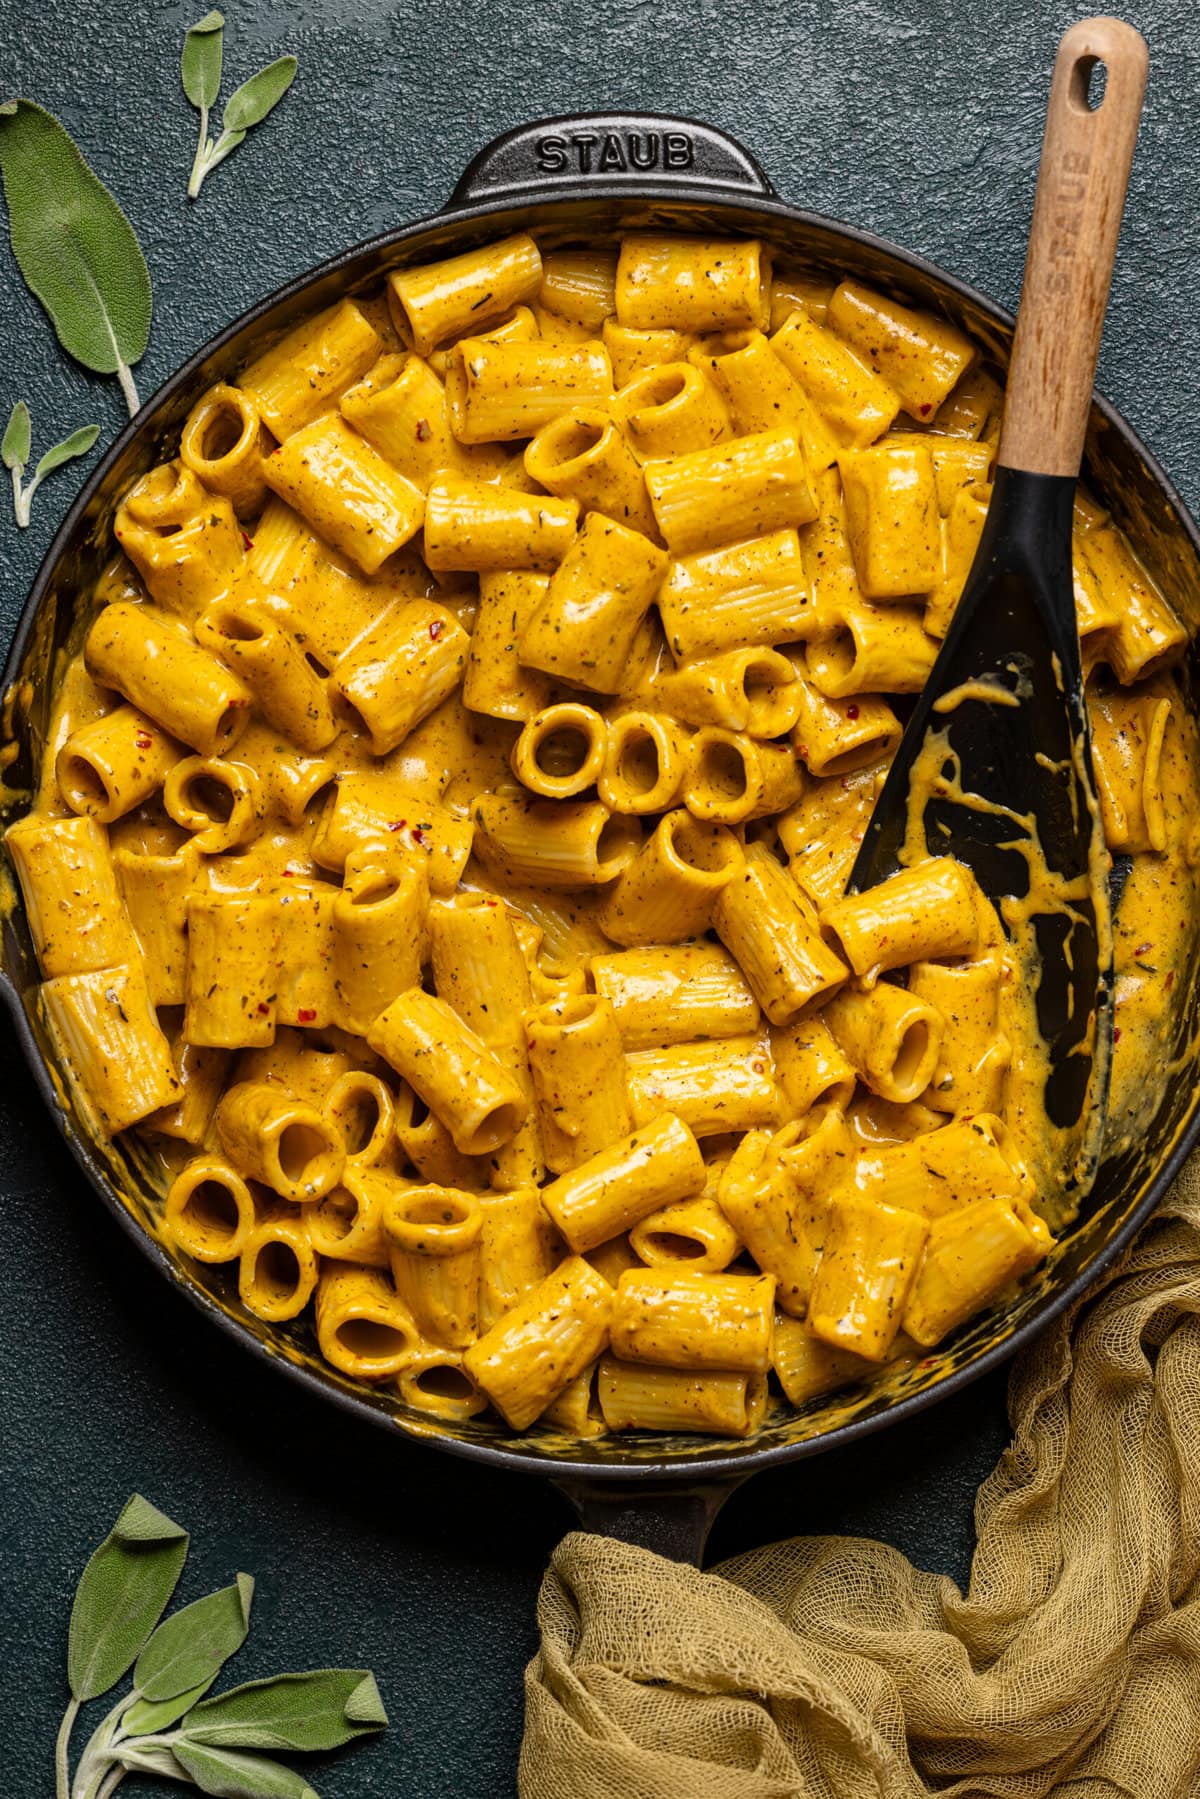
62,1766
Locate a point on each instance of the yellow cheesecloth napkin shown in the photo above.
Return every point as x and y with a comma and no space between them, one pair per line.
831,1667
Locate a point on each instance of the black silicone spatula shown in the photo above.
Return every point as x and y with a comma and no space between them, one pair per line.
1001,723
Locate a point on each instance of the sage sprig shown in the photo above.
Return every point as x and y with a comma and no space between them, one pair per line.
164,1724
200,68
74,245
15,449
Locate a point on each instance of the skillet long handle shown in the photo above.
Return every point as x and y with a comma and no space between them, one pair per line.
1086,157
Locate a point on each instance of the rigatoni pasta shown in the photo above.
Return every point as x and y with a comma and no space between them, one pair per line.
440,853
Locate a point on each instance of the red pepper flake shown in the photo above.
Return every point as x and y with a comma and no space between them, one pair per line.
287,871
144,741
851,711
1116,1033
263,1007
804,751
418,835
1142,948
247,541
424,431
925,410
306,1014
399,825
1170,981
436,629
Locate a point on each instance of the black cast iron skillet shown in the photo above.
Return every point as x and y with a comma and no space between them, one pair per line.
573,180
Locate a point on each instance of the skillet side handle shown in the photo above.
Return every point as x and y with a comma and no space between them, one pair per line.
564,155
672,1521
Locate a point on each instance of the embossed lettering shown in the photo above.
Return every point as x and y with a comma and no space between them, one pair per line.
612,156
677,150
583,142
551,155
643,157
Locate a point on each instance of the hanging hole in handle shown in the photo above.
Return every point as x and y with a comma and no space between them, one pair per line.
1089,83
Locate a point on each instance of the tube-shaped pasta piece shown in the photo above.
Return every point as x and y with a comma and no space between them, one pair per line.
922,914
69,887
828,561
695,1231
271,1137
810,1067
611,1259
714,1088
790,289
861,1287
478,1100
762,394
441,300
478,968
835,737
959,465
518,325
961,533
223,443
631,352
232,970
692,283
675,995
561,751
576,1410
643,764
155,890
671,410
552,843
219,802
666,895
779,1213
158,668
891,1038
110,1046
378,939
578,1069
304,373
598,596
973,407
942,1170
347,1225
400,408
1147,636
361,1108
370,812
425,1142
363,1327
582,455
401,670
729,778
551,1335
655,1165
201,1076
758,484
678,1318
1128,732
869,649
209,1210
919,355
721,1403
113,764
807,1368
433,1246
763,920
756,691
892,517
346,491
183,541
475,525
971,1254
856,403
289,693
580,285
975,1055
517,1249
499,393
277,1269
296,1065
305,992
744,593
434,1381
495,682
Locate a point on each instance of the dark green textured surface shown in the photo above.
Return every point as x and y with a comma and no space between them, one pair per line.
920,120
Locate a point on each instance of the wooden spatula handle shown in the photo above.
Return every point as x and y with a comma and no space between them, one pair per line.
1084,171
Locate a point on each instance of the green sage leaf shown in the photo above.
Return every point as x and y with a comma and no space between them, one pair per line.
152,1760
241,1776
200,64
321,1709
145,1718
249,104
73,244
193,1645
14,447
78,444
122,1594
